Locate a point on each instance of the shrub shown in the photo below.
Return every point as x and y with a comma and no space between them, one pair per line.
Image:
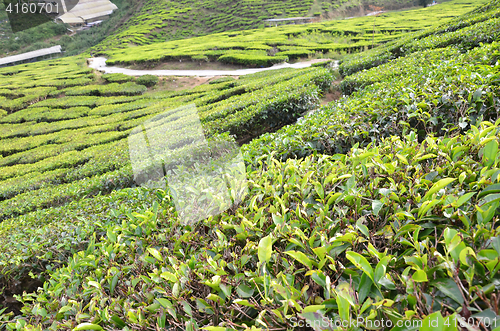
252,60
117,78
399,191
423,101
202,58
147,80
222,80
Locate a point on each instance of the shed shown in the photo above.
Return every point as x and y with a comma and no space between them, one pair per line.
40,54
88,11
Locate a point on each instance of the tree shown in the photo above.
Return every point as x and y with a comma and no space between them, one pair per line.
423,3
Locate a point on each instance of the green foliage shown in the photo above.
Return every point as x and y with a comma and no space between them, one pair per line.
129,88
221,80
147,80
381,205
264,47
464,32
252,60
116,78
305,223
442,96
73,143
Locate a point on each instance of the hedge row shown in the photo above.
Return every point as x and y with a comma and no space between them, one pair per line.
252,60
432,222
466,32
440,97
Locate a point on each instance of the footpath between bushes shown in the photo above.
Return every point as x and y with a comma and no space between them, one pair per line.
99,63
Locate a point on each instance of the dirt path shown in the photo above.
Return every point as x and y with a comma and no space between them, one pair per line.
99,63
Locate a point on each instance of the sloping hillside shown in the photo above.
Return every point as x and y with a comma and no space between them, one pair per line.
142,22
266,46
162,20
377,211
51,34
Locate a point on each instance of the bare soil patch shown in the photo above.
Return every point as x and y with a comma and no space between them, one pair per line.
176,83
333,94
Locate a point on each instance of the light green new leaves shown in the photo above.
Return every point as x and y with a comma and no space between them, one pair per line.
214,328
438,185
301,257
362,263
87,326
265,249
381,268
155,253
420,276
490,153
376,206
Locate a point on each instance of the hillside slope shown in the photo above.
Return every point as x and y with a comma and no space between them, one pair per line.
266,46
51,34
142,22
381,207
161,20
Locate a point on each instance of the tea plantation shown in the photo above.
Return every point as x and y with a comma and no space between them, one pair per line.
162,21
143,22
377,211
267,46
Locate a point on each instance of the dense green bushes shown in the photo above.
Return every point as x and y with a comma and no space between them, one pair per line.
465,32
117,78
440,97
252,60
67,137
74,148
271,107
147,80
129,88
312,221
396,228
258,47
414,64
221,80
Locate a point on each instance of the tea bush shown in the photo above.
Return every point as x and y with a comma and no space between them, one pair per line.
441,97
382,205
221,80
465,32
63,142
258,47
117,78
147,80
252,60
372,232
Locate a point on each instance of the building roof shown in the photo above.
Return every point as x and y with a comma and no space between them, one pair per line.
288,19
30,55
87,10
